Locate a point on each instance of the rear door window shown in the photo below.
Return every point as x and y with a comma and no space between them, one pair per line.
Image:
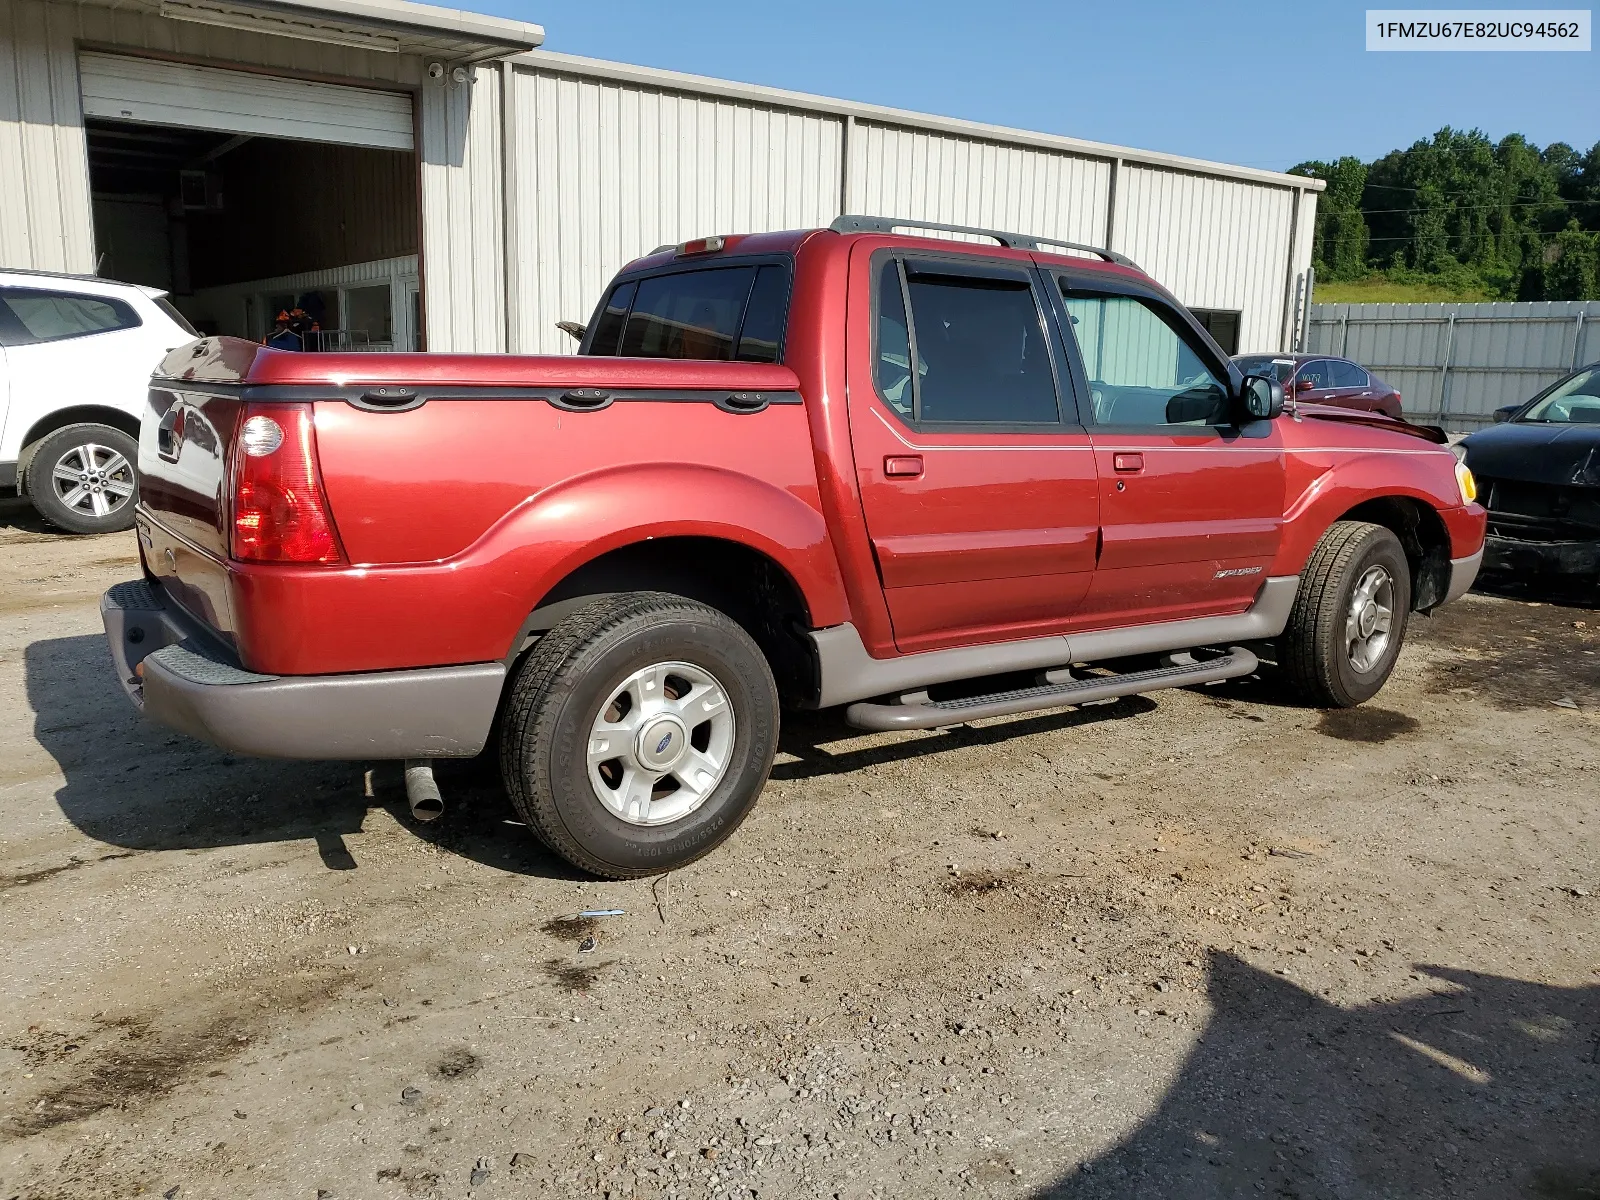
38,315
979,343
733,313
1347,374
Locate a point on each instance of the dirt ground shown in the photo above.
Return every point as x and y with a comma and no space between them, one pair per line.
1202,944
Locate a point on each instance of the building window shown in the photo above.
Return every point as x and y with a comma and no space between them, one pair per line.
1223,326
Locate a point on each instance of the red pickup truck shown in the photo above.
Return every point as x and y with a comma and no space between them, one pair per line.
930,479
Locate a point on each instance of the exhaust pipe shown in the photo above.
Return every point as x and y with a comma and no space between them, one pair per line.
422,790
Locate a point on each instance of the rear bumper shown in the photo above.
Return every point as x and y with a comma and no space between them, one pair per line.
1510,556
176,673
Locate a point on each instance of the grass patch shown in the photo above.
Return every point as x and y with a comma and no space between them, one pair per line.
1376,289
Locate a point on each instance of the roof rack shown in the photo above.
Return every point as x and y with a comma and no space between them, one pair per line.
853,223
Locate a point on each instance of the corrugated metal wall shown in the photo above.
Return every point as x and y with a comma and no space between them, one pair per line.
930,176
462,215
606,171
1456,363
45,217
608,165
1214,243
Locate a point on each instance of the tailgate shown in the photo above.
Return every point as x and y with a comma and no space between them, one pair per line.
182,519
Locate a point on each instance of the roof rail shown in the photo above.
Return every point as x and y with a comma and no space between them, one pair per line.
853,223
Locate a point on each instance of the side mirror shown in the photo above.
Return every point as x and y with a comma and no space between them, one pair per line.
1502,415
1304,385
1263,397
572,329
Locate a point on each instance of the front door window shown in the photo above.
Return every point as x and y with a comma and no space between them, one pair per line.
1140,371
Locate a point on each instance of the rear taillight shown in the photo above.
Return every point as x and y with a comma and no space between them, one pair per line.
280,512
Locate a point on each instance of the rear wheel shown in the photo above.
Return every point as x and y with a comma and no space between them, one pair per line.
639,733
81,478
1349,616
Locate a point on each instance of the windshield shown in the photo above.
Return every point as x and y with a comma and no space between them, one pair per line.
1574,402
1265,365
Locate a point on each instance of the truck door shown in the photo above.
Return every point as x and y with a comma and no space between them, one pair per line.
976,477
1191,504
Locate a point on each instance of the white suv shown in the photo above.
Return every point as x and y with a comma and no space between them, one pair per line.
76,355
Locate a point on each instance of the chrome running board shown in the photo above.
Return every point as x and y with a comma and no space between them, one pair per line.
918,712
848,673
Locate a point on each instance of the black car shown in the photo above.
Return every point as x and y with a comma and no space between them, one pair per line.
1538,473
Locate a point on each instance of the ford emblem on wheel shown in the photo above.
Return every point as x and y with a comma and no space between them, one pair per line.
661,746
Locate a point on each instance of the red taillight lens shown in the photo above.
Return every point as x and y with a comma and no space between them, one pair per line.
280,512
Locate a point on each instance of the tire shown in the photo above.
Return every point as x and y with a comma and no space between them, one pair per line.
632,658
102,497
1328,659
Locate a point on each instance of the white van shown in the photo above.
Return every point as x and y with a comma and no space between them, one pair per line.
76,355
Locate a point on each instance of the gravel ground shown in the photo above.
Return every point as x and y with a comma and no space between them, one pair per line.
1207,943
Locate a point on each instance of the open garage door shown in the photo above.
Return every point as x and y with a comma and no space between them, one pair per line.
264,206
153,92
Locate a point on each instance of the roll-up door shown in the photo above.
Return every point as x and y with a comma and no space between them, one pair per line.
154,92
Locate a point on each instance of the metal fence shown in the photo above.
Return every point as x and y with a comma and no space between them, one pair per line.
1454,364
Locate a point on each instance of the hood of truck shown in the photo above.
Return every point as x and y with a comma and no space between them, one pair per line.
1373,420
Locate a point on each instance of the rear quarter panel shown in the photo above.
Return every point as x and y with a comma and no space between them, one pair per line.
459,515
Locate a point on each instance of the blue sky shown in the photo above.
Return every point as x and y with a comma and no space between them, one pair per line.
1264,84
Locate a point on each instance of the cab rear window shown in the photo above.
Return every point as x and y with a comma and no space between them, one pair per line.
732,313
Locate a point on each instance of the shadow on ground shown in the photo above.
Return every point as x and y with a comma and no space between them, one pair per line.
810,737
1574,591
136,785
1486,1087
22,523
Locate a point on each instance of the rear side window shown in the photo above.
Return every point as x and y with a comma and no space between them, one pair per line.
47,316
719,313
979,345
1347,374
608,329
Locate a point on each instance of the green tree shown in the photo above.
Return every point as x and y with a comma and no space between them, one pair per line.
1339,248
1574,264
1462,212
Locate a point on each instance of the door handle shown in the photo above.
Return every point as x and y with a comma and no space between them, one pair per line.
902,466
1127,464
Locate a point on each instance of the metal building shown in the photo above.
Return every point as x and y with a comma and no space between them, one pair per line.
428,178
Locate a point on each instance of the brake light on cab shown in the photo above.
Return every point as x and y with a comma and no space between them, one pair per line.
280,509
705,245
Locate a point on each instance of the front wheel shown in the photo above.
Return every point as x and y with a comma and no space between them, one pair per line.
82,479
1349,616
639,733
